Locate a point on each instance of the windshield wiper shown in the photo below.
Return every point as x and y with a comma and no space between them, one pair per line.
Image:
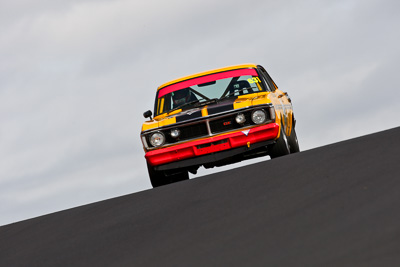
184,105
240,90
207,102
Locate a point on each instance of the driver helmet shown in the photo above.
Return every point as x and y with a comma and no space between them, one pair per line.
181,96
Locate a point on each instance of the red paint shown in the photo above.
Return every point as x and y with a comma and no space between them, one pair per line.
205,79
190,149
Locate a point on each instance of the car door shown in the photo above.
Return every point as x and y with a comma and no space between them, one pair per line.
287,110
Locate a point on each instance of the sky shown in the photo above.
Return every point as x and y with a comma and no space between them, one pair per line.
76,77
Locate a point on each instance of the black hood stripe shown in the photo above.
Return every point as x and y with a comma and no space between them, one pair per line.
188,115
226,105
221,107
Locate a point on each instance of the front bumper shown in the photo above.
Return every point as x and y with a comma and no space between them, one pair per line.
210,145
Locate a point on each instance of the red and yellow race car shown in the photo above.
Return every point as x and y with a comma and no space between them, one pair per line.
215,118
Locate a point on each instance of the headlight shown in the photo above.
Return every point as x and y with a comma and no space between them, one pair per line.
175,133
258,116
240,118
157,139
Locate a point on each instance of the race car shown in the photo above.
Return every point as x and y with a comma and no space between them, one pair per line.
215,118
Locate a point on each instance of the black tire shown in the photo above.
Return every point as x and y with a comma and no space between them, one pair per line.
158,178
281,147
293,143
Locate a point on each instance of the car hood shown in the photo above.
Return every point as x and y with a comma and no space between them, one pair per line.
208,110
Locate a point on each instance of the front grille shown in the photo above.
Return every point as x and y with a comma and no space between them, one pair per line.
193,131
188,132
216,125
228,123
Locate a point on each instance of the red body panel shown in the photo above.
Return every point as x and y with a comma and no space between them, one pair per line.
212,144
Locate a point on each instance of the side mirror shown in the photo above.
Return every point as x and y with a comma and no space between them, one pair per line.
148,114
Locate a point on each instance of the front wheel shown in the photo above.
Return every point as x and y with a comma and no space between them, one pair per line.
293,143
281,147
159,178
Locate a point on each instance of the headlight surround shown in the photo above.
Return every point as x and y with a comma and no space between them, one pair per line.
157,139
175,133
259,116
240,118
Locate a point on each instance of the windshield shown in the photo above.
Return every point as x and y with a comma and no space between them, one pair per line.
206,89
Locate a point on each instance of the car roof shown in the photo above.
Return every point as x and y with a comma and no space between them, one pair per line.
242,66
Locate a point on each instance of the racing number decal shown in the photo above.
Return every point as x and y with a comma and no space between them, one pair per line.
254,80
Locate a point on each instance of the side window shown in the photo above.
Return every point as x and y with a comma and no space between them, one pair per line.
267,79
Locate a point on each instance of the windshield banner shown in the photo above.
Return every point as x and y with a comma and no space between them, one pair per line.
205,79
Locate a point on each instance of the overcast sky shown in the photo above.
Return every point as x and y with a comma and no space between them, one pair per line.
76,77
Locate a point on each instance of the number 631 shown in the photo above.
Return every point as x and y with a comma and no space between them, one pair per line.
254,80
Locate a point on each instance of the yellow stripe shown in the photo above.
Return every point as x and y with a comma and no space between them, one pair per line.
161,106
204,111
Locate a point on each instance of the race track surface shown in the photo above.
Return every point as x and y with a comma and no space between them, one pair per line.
336,205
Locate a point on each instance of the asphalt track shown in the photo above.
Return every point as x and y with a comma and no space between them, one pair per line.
336,205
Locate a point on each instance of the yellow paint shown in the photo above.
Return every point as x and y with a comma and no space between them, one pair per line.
159,121
161,105
262,98
173,112
164,115
259,87
147,125
243,66
167,121
204,111
243,101
251,100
